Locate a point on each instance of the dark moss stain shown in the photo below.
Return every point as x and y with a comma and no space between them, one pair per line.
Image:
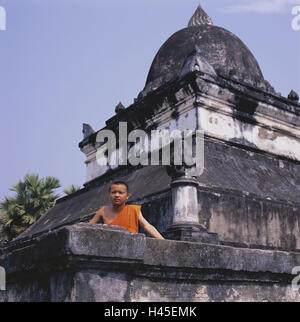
248,106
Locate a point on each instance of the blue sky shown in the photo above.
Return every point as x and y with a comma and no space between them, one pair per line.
68,62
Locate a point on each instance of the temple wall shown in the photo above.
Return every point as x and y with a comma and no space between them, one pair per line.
264,133
237,219
221,127
232,113
250,222
69,265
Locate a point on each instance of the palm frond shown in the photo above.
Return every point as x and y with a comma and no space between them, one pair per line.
34,196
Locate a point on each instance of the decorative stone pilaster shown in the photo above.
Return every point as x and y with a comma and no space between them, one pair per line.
186,224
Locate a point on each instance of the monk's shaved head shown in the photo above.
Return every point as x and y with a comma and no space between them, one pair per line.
122,183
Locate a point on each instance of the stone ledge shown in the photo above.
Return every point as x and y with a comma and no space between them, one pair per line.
112,248
210,256
82,239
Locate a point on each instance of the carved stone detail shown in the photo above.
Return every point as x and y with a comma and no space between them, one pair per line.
119,108
200,17
87,130
293,96
195,62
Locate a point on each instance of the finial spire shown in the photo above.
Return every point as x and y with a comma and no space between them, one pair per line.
199,18
87,130
119,108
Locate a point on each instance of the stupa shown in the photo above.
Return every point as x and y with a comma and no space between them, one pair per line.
232,231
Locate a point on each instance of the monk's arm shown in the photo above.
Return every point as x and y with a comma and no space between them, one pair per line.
151,230
98,217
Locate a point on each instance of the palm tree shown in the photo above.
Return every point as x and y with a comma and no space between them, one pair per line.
71,189
33,197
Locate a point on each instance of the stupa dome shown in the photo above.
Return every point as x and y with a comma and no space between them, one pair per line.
217,49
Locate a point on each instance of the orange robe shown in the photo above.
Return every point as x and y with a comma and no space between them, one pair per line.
128,218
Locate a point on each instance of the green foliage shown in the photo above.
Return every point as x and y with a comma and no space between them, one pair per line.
34,196
86,218
71,189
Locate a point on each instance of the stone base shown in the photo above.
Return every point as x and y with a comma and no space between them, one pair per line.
190,232
97,263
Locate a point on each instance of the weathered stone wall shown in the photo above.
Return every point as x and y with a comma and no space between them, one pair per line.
223,109
251,222
86,262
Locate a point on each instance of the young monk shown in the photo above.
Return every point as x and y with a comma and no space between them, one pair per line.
127,216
